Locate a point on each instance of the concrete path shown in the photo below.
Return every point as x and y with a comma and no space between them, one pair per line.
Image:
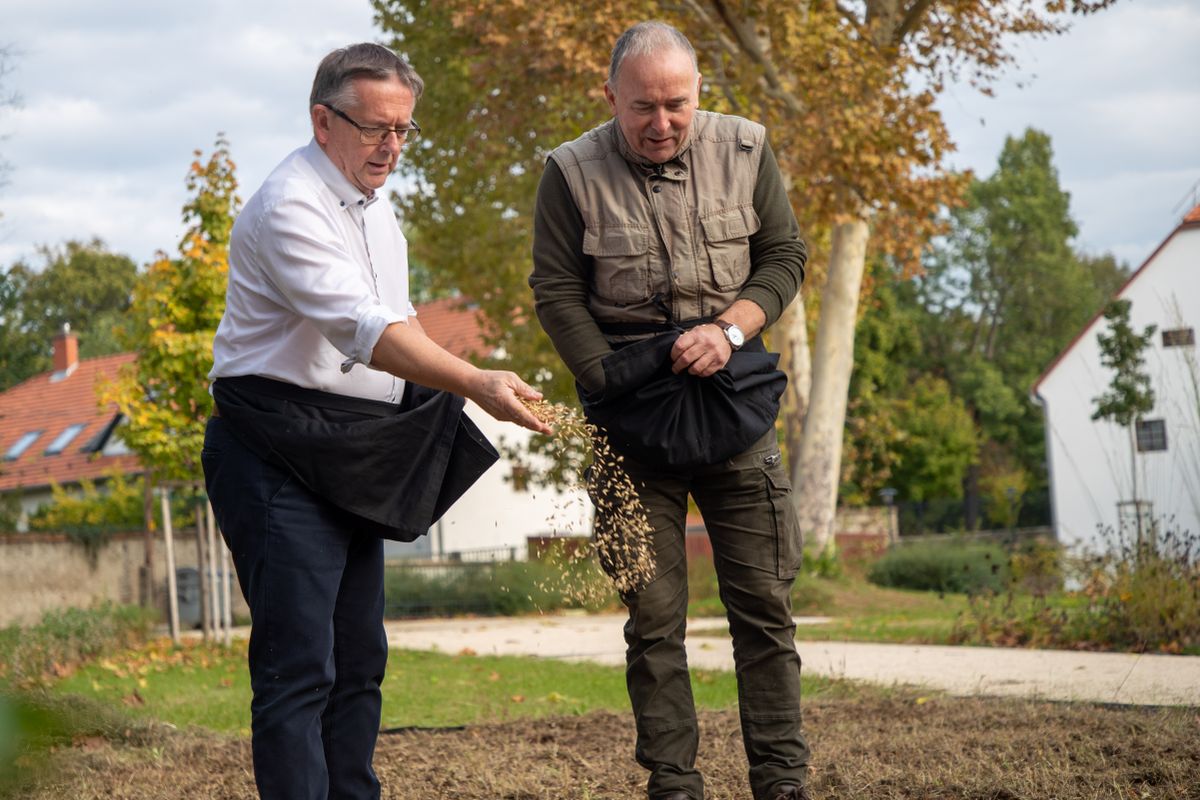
1041,674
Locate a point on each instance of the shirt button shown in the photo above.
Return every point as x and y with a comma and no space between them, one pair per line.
657,188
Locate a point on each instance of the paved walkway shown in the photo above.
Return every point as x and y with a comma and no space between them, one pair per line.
1042,674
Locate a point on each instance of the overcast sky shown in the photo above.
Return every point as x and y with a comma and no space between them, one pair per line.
116,96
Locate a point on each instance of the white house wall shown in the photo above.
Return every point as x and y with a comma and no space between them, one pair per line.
1090,462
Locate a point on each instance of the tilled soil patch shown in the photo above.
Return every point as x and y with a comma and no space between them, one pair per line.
884,747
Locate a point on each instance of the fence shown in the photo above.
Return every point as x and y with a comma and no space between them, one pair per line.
1005,538
944,515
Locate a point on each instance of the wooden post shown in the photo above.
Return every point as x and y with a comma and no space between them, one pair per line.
228,594
148,587
172,587
214,576
202,565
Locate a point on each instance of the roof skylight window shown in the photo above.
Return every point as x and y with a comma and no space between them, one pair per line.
21,445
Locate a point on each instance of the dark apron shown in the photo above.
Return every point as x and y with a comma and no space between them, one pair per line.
400,466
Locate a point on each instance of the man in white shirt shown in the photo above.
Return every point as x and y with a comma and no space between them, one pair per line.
319,445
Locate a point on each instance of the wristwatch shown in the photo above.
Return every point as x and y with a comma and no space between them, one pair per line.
733,334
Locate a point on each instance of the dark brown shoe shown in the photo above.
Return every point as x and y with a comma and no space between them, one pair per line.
676,796
790,792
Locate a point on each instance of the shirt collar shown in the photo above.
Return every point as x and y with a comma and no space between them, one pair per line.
632,157
345,191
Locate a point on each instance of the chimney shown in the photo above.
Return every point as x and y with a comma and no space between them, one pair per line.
66,352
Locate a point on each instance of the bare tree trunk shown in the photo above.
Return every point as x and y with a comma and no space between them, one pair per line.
795,359
817,472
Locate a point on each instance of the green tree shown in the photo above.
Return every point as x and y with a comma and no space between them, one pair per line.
905,429
1004,292
177,304
83,284
20,355
1129,394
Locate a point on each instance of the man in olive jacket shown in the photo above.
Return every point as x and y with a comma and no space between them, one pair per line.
670,218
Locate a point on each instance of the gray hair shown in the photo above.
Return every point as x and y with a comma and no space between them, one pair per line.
644,39
333,84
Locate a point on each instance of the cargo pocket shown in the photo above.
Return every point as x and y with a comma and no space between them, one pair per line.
788,543
727,240
621,256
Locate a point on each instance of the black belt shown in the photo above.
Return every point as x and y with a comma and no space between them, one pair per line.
641,328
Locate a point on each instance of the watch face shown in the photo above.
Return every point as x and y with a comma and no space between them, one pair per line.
735,336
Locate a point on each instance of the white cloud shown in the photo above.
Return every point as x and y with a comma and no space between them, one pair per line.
1120,99
118,95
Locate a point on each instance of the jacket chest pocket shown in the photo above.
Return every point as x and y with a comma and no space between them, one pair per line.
621,261
727,241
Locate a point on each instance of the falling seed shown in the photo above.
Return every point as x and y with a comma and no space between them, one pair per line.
621,535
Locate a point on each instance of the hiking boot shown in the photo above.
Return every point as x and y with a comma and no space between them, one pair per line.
791,792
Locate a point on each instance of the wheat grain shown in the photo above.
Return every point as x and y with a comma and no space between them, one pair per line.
621,531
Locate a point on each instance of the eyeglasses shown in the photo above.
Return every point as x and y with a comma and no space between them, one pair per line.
377,135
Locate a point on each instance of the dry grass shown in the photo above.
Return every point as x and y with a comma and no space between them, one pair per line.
867,746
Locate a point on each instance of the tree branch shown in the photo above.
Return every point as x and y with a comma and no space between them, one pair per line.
748,44
912,18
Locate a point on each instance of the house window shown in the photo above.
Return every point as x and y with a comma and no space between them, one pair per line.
21,445
63,439
520,478
1179,337
1151,435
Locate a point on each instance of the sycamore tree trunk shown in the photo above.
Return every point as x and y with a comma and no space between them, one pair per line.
816,473
796,360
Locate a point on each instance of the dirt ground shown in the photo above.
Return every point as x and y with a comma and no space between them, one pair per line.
891,746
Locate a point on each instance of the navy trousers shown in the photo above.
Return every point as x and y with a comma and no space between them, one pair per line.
313,578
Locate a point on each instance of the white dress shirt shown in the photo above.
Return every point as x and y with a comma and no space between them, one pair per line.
317,270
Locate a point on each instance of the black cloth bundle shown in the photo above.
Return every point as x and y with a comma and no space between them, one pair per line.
678,422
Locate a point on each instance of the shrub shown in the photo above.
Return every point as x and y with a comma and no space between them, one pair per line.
1135,596
65,638
1146,595
1036,567
950,566
495,588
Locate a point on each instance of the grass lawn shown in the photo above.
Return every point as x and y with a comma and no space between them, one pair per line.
545,731
209,686
860,611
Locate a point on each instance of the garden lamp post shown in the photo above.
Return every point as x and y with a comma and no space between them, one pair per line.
889,497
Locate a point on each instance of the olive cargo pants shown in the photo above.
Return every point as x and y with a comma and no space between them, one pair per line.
746,505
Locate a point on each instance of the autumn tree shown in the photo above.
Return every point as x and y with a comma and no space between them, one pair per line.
177,304
847,93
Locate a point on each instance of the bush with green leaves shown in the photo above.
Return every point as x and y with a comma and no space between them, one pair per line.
943,566
66,637
495,588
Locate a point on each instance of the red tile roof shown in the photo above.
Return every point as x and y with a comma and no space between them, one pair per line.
51,406
456,324
1193,215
